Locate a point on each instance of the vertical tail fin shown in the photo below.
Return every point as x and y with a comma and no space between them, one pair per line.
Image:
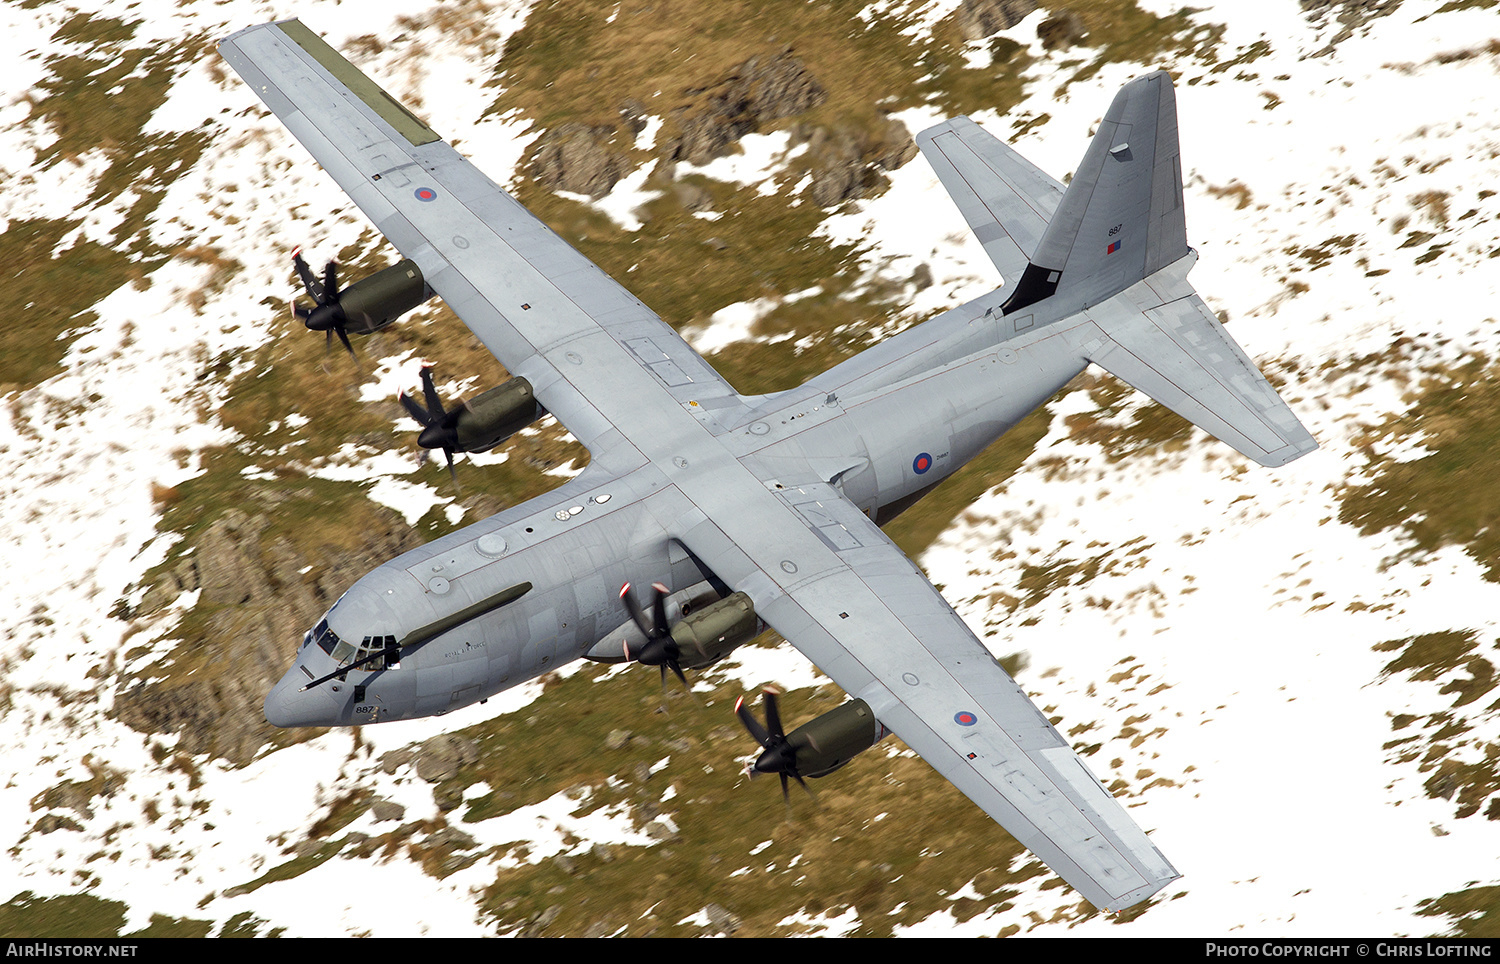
1121,218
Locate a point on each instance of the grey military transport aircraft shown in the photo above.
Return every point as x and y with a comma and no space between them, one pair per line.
746,511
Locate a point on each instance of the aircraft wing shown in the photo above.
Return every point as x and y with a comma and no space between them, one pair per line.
544,310
829,581
1006,199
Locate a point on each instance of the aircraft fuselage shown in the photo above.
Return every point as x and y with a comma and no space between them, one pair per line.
884,427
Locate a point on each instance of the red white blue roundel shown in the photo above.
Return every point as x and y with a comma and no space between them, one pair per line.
921,463
965,718
425,194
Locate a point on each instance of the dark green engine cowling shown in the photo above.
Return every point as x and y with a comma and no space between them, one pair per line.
709,634
372,303
491,417
832,740
813,749
482,422
366,306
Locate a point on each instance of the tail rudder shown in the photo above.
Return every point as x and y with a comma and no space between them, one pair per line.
1121,218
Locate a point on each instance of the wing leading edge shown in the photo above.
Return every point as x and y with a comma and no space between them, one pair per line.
865,615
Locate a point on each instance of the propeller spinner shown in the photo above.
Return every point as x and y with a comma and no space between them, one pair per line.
439,426
660,648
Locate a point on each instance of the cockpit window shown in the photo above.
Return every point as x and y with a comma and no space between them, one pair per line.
344,651
329,642
371,645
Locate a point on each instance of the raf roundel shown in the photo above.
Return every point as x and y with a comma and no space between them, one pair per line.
965,718
921,463
425,194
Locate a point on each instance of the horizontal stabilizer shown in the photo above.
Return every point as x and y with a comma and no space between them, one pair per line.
1005,198
1180,355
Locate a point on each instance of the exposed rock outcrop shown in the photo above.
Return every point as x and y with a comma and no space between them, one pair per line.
441,757
983,18
761,89
578,158
849,163
1351,15
591,159
1062,31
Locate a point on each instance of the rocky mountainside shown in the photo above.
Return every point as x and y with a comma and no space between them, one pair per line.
1305,657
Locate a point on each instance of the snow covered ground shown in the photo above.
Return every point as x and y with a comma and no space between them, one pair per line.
1231,672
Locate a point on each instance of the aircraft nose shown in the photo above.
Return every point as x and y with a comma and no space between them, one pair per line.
286,705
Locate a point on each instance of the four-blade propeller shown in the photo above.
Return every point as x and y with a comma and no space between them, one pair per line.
660,649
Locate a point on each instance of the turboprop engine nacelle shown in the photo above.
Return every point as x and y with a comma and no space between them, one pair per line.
695,628
709,634
491,417
481,423
813,749
372,303
828,742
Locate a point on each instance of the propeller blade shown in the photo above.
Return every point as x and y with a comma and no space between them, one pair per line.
452,472
314,290
660,649
634,608
773,715
757,732
326,315
416,411
659,608
779,756
438,424
429,393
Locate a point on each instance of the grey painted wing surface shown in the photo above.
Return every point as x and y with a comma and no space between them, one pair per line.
1006,199
533,300
863,612
632,391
